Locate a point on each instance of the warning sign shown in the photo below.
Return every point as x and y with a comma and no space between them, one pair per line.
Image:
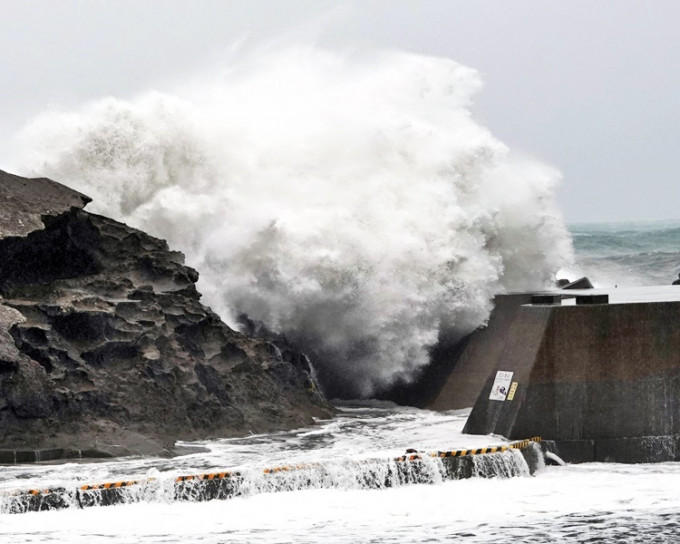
501,385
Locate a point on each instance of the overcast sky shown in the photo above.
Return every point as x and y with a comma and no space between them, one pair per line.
591,87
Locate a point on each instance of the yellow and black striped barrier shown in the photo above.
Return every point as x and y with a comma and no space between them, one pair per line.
207,476
519,445
208,486
522,444
37,492
289,468
112,485
227,484
463,453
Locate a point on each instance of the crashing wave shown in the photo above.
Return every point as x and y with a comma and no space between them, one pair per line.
350,203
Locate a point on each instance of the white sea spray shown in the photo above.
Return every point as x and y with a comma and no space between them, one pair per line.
348,201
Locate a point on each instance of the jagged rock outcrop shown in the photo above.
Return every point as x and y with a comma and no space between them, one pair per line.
104,345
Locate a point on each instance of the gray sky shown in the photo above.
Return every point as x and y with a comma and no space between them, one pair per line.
591,87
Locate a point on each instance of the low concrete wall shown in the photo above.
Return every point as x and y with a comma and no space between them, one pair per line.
504,461
601,381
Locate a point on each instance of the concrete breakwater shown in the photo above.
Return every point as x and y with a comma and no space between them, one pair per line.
520,458
596,374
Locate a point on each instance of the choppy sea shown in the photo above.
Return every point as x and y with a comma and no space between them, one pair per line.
590,502
628,254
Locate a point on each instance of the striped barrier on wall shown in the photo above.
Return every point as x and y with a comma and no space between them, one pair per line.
112,485
212,485
207,477
521,444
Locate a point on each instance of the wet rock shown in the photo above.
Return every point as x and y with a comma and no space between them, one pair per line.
105,346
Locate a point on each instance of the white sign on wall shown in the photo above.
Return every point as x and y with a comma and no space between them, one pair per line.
501,385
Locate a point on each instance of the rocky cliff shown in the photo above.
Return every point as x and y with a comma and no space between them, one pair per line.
105,347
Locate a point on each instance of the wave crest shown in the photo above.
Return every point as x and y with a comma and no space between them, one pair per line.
349,203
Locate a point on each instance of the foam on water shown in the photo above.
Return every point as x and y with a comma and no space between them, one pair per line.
348,201
359,434
576,503
336,457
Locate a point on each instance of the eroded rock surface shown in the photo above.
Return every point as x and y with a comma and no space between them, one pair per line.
104,345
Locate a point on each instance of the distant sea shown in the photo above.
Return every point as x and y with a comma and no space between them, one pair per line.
627,254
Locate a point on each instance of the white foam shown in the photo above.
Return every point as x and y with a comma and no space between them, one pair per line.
347,201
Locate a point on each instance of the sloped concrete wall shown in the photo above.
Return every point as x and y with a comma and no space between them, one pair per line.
521,347
480,356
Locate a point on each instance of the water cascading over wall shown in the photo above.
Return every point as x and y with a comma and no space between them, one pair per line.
518,459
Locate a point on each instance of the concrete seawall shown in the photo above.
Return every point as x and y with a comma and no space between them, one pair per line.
520,458
600,382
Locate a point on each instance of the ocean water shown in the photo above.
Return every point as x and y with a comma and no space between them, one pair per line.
627,254
575,503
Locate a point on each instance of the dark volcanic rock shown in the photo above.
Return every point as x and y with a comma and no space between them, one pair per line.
105,346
